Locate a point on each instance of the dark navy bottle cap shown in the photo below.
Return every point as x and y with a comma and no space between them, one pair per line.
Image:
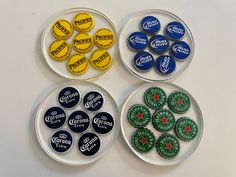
150,24
78,121
68,97
165,64
138,41
61,141
89,144
143,61
159,44
175,30
54,117
93,101
180,50
103,122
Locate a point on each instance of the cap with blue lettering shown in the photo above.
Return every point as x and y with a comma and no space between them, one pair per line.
165,64
69,97
150,24
138,41
103,122
61,141
180,50
54,117
93,101
143,61
78,121
159,44
175,30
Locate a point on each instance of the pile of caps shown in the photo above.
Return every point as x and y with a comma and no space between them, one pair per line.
78,121
168,46
163,120
82,43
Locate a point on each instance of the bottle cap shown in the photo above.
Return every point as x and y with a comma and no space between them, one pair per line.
139,116
54,117
83,22
77,64
175,30
159,44
150,24
180,50
163,120
186,129
101,59
103,122
143,61
62,29
104,38
61,141
167,146
68,97
178,102
143,140
93,101
137,41
155,97
59,50
165,64
89,144
83,43
78,121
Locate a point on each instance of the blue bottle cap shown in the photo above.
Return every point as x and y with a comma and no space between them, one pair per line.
143,61
78,121
175,30
180,50
159,44
54,117
61,141
93,101
103,122
165,64
138,41
89,144
150,24
68,97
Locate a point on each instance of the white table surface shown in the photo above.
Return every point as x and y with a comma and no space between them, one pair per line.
25,79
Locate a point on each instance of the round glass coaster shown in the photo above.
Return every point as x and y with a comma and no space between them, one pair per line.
185,148
127,55
100,21
89,150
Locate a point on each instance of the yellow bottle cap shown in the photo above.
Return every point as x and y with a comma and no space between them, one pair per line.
83,22
62,29
83,43
59,50
101,59
104,38
78,64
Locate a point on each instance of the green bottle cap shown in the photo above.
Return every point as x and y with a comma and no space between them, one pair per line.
155,97
143,140
139,116
167,146
186,129
163,120
178,102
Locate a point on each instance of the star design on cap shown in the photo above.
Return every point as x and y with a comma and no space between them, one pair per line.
143,140
180,102
164,120
168,146
155,97
139,115
187,129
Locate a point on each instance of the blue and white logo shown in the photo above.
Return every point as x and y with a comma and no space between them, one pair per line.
138,40
150,24
165,64
175,30
61,141
159,43
54,117
143,61
180,50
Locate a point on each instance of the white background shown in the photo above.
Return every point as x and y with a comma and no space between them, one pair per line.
26,79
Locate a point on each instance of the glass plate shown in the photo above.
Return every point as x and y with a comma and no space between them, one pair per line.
134,25
186,148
